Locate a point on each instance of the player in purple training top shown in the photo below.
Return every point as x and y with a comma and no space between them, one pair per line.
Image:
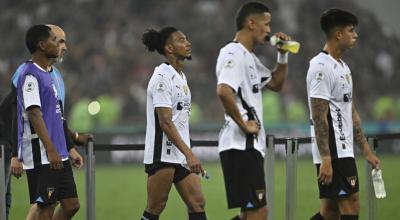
41,141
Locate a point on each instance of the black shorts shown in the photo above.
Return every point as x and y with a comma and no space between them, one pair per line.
180,171
244,178
47,186
344,180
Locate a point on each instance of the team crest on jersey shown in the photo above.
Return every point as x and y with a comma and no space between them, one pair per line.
161,87
185,89
319,76
260,194
352,180
29,87
50,191
229,64
347,77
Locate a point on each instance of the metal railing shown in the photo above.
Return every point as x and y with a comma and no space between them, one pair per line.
291,146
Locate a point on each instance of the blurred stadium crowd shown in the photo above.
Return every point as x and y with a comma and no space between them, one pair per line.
106,60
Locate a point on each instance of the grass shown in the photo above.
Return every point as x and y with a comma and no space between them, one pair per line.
121,193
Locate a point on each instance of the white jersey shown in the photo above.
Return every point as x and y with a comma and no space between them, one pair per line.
246,75
167,88
331,80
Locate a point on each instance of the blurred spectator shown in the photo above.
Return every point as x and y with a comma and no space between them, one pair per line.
106,56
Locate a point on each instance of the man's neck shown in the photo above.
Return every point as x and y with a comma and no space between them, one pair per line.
245,39
42,61
176,63
334,50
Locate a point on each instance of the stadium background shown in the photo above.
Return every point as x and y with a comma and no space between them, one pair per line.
106,62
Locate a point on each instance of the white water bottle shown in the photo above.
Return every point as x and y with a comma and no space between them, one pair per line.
379,185
291,46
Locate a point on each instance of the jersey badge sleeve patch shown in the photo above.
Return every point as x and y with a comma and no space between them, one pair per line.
229,64
161,87
319,76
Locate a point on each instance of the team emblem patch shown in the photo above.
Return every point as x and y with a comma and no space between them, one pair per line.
185,89
161,87
50,191
29,87
352,180
319,76
347,78
229,64
260,194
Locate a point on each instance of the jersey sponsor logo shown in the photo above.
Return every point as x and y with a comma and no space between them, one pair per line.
352,180
229,64
339,119
29,87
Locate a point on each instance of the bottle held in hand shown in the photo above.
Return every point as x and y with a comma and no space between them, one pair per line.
378,183
289,45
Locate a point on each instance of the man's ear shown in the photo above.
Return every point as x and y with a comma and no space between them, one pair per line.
41,45
168,48
250,23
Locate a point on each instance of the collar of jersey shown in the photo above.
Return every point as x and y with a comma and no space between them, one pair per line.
183,77
342,65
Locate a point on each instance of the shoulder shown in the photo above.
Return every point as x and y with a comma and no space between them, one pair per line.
233,49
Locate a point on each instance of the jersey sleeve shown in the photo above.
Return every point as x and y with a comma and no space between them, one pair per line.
265,73
320,83
231,71
161,91
30,92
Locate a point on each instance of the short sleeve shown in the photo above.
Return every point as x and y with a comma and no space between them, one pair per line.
231,70
264,72
30,92
161,91
320,83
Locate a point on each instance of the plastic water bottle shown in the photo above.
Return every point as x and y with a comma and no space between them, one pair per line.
379,185
289,45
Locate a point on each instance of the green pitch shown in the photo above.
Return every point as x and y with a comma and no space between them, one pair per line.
121,193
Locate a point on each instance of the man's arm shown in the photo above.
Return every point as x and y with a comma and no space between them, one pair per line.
279,75
319,109
227,97
362,141
36,119
165,119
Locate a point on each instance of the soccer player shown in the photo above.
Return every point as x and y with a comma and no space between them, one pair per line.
335,120
42,146
241,76
168,158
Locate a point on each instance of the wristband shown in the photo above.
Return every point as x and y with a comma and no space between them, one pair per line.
283,58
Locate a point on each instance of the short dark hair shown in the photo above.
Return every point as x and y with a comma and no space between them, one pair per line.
334,18
248,9
155,40
34,35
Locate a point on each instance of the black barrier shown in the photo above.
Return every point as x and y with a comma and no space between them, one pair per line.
291,146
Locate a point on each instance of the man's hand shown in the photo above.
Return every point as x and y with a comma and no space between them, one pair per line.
16,167
284,37
54,159
76,158
82,139
373,160
194,164
325,171
252,127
